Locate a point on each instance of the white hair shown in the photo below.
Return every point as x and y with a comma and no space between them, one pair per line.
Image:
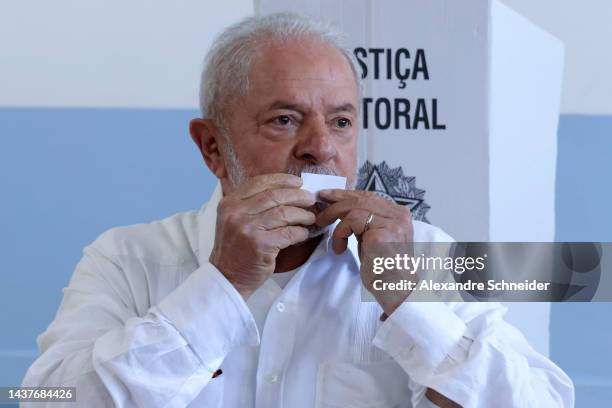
227,64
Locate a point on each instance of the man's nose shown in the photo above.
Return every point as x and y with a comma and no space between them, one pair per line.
315,143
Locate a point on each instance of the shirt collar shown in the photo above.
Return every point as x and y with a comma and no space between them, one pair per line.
207,220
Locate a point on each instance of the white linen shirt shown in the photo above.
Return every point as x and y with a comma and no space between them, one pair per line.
146,320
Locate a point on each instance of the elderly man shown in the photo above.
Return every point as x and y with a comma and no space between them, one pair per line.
253,300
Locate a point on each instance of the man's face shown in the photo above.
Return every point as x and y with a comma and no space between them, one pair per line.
300,112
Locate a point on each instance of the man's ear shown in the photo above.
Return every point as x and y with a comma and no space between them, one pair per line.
207,137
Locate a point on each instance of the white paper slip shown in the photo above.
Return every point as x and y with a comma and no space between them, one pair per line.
317,182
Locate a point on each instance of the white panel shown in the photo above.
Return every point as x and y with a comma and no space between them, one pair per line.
585,29
108,53
526,77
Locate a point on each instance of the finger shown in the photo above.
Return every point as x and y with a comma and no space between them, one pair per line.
264,182
353,223
334,195
284,237
268,199
375,205
340,236
284,215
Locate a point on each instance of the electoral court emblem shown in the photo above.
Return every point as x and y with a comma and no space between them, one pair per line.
392,184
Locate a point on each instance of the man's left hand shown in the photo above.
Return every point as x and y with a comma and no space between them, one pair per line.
374,220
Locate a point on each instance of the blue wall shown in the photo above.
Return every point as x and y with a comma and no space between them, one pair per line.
69,174
581,334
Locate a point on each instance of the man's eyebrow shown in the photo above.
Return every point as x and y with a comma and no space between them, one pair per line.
287,105
345,107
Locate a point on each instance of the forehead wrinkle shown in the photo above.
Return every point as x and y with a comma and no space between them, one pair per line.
290,89
299,80
311,53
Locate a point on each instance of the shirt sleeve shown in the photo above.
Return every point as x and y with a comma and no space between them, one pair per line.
99,344
469,354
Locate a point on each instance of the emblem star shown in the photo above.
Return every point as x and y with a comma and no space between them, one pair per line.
392,184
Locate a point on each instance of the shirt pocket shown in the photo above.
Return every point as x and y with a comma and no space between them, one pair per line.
381,384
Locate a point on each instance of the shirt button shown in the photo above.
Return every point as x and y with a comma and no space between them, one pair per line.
273,378
280,306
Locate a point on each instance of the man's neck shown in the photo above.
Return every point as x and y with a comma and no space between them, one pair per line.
295,256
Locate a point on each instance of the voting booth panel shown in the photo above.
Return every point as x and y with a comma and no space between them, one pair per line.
459,116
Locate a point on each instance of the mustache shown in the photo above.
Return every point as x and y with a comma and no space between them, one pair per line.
311,168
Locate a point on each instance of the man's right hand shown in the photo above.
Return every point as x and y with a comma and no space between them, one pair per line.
258,219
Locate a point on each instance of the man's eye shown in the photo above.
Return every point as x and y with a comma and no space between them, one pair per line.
283,120
343,123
